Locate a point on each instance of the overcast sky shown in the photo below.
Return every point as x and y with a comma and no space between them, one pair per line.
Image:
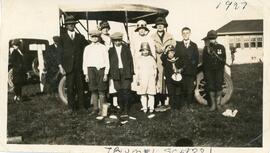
39,19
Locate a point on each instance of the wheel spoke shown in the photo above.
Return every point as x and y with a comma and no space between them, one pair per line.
200,90
203,95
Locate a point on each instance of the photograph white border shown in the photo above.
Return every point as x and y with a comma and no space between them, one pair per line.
78,148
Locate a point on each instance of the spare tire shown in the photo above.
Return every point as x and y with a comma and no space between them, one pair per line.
10,82
62,90
35,66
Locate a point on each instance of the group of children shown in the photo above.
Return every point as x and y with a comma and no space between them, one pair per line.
123,69
152,66
101,64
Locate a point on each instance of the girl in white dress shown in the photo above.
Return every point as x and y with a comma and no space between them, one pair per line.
141,35
146,69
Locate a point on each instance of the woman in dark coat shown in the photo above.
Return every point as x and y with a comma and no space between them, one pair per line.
19,71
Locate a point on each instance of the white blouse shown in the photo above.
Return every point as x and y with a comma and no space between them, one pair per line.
96,55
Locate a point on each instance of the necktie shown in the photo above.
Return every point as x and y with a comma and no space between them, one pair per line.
72,36
186,44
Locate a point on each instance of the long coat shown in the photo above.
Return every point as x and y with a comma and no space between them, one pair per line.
190,57
18,66
127,62
72,51
52,60
160,48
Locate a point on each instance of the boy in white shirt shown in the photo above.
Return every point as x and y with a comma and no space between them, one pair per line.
96,68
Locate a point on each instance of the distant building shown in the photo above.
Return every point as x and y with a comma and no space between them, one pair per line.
246,36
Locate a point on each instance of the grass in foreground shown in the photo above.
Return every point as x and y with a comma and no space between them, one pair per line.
41,120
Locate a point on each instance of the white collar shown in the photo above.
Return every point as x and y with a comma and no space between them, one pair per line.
186,41
118,48
97,43
19,51
71,32
173,59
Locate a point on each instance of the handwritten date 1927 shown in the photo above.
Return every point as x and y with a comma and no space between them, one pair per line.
232,4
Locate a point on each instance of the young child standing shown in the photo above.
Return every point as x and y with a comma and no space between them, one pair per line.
96,68
146,69
121,71
214,60
173,67
104,28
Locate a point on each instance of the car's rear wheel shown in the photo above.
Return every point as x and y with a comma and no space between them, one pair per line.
35,66
10,82
62,90
201,94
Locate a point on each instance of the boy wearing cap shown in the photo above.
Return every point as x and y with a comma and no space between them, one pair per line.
96,68
214,59
19,71
161,39
188,51
121,71
72,46
173,67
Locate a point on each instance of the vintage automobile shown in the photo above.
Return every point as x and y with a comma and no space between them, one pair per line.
131,13
31,61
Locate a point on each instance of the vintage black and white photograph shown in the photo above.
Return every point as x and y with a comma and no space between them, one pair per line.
173,73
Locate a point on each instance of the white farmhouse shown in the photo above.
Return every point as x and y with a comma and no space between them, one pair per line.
246,37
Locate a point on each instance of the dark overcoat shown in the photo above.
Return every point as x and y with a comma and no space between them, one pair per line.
18,66
190,57
72,51
127,61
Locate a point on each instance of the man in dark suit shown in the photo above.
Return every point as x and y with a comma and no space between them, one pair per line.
72,45
121,71
188,52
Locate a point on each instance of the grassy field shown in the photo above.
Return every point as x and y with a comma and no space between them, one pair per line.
41,120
